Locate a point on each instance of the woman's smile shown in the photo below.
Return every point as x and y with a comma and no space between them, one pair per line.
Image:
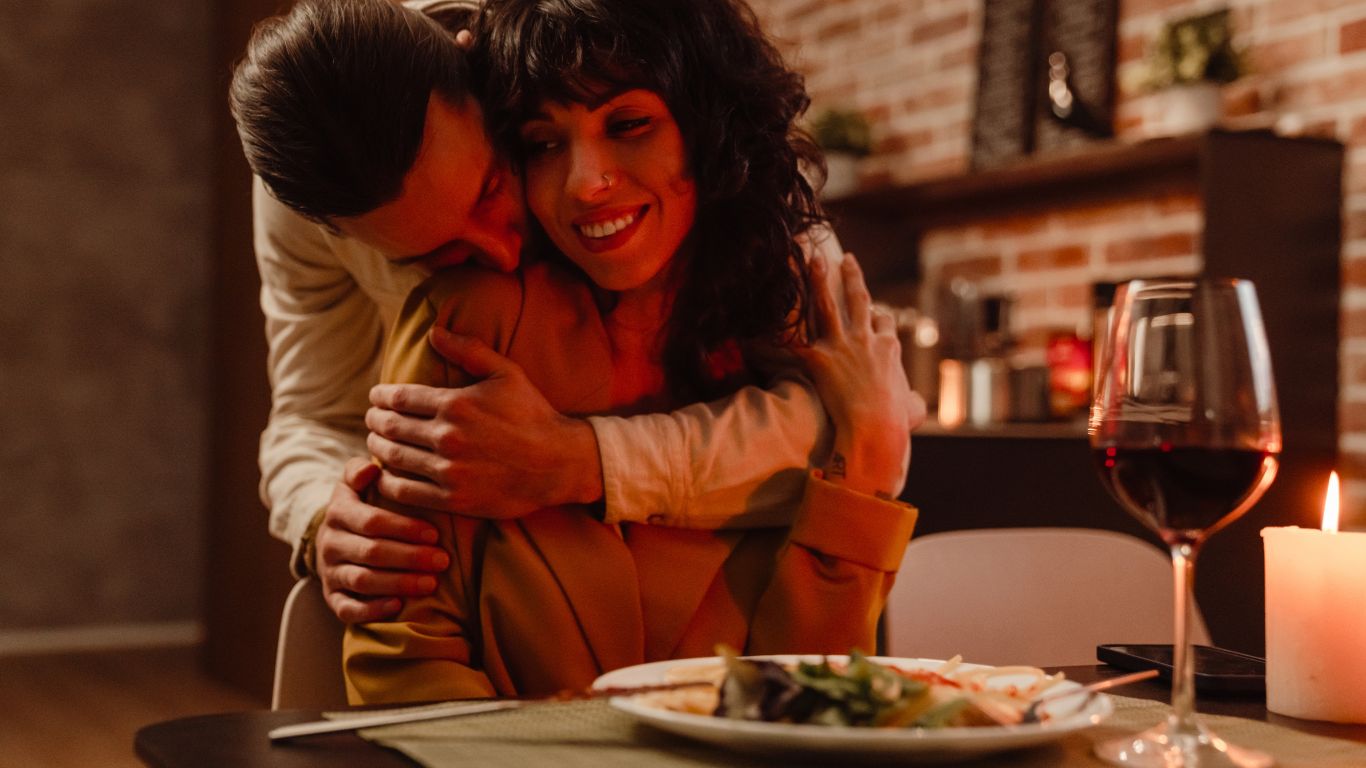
608,229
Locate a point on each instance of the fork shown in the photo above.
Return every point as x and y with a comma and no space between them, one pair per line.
1031,713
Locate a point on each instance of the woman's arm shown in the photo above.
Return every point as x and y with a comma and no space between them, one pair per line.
833,575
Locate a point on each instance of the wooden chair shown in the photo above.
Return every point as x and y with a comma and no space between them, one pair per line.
308,659
1039,596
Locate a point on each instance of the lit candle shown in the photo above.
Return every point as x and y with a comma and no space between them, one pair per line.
1316,619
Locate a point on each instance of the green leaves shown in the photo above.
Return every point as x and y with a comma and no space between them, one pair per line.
1194,49
864,693
838,130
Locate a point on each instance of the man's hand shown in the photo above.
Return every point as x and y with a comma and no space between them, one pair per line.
367,557
493,449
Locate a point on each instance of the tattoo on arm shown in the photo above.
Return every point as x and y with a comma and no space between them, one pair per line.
838,467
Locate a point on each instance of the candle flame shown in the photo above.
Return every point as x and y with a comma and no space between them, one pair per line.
1330,505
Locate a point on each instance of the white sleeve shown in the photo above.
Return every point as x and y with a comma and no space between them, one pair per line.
740,462
325,336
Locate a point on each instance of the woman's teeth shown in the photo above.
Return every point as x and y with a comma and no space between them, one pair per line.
606,228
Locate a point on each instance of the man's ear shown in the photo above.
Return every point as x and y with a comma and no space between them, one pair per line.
464,38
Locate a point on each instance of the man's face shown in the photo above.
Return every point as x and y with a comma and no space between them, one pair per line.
459,200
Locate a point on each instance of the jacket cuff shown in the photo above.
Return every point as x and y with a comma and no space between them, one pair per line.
853,526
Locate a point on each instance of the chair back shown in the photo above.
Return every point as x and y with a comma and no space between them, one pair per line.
1039,596
308,659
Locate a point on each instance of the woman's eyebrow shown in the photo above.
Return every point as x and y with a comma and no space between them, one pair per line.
596,102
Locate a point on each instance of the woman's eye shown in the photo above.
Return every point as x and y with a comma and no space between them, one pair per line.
533,146
628,126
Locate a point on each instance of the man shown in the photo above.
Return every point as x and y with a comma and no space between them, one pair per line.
364,186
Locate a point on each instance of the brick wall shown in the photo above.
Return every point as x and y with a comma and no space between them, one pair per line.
911,66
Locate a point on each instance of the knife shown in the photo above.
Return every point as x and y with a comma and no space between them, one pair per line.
458,709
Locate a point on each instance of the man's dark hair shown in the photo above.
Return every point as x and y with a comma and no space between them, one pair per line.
331,99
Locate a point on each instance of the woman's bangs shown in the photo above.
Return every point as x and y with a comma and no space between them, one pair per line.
568,65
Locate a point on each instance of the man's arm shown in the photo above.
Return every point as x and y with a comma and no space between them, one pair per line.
496,448
325,336
739,462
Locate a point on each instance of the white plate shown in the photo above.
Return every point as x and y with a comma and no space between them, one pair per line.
924,744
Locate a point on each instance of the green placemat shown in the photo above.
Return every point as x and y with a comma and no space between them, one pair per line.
591,734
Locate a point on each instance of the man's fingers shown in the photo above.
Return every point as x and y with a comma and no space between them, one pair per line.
371,582
399,457
401,428
472,355
414,493
359,474
411,399
352,610
368,521
342,548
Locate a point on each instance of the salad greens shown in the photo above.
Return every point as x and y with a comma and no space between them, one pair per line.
862,692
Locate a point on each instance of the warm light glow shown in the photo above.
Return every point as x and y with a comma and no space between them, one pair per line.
1330,505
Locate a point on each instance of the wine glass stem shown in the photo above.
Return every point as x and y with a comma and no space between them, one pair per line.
1183,660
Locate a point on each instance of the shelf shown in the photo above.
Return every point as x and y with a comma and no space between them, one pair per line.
1099,172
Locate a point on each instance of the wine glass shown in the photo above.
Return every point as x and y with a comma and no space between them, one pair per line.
1186,436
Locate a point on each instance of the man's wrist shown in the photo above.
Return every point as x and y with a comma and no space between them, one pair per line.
582,464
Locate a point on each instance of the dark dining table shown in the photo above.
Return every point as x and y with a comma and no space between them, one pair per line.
239,740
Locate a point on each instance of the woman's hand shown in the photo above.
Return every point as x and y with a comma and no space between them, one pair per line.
855,362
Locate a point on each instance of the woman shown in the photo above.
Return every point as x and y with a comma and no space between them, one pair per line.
660,159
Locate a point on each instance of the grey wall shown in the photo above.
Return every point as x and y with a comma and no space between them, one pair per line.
104,219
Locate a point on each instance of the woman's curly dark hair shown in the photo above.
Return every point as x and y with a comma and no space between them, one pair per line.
736,105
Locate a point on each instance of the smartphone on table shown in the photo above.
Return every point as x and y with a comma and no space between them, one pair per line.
1217,670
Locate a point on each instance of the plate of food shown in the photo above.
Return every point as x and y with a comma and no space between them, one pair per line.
856,704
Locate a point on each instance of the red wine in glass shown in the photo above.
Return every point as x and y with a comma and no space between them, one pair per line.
1185,493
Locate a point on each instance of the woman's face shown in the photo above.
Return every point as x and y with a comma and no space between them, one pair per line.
609,183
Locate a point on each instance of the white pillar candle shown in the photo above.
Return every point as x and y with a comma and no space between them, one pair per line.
1316,620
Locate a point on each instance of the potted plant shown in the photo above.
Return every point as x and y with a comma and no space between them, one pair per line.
844,136
1185,68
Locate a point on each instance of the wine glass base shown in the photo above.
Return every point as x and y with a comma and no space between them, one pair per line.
1163,747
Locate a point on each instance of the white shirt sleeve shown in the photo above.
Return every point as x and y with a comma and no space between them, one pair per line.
739,462
325,336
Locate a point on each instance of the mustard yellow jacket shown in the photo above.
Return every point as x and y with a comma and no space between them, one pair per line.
552,600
